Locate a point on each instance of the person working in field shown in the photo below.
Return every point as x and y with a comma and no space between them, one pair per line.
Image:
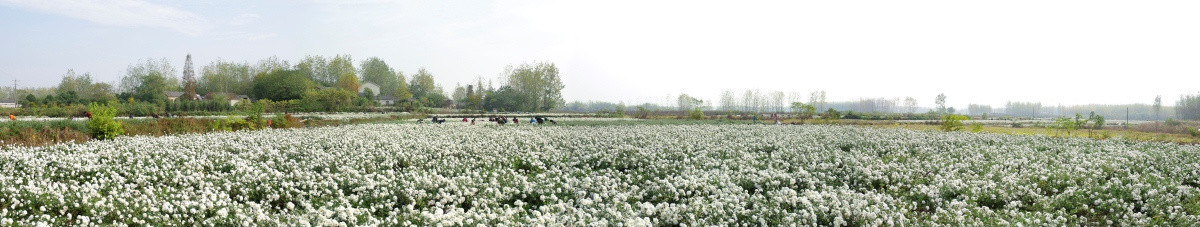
12,117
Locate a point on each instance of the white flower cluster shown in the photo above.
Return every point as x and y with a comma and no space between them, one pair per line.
454,174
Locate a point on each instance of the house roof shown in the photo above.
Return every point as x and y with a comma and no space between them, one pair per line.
385,97
229,96
8,101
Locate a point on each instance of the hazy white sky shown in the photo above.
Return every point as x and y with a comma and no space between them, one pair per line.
1069,52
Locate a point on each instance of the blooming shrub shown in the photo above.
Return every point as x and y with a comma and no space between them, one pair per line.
459,174
101,125
952,122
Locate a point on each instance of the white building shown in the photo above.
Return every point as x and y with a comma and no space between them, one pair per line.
386,100
368,85
9,104
172,95
235,99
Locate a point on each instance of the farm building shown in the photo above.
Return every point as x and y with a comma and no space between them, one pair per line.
386,100
172,95
9,104
234,99
368,85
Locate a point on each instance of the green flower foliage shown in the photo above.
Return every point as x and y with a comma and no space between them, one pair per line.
952,122
102,125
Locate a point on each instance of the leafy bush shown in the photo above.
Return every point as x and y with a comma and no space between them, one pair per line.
1173,122
327,100
138,109
102,126
831,114
232,123
1065,123
642,112
1097,120
285,121
952,122
696,114
976,127
852,115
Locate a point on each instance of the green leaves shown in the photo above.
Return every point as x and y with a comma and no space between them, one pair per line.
281,85
101,124
952,122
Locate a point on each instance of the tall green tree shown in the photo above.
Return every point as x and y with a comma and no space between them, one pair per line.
940,101
460,94
1157,107
348,82
503,99
316,68
401,91
281,85
1188,107
71,82
686,102
271,64
75,88
161,67
226,77
425,90
538,85
153,88
340,66
189,79
376,71
805,111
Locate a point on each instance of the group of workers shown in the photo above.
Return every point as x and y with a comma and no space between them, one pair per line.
501,120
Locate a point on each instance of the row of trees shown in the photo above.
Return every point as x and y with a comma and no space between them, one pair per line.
755,101
1188,107
316,82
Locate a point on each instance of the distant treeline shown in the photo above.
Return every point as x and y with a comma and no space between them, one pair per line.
754,101
315,83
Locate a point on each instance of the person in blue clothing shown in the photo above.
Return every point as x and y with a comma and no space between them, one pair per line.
531,120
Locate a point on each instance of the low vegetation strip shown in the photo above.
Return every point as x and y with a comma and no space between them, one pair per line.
460,174
42,133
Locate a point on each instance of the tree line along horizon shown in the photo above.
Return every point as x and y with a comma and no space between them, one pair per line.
757,101
313,84
330,84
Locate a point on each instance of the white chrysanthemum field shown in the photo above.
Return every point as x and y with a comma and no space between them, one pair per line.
604,174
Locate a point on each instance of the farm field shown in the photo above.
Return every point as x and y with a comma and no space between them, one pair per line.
598,172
